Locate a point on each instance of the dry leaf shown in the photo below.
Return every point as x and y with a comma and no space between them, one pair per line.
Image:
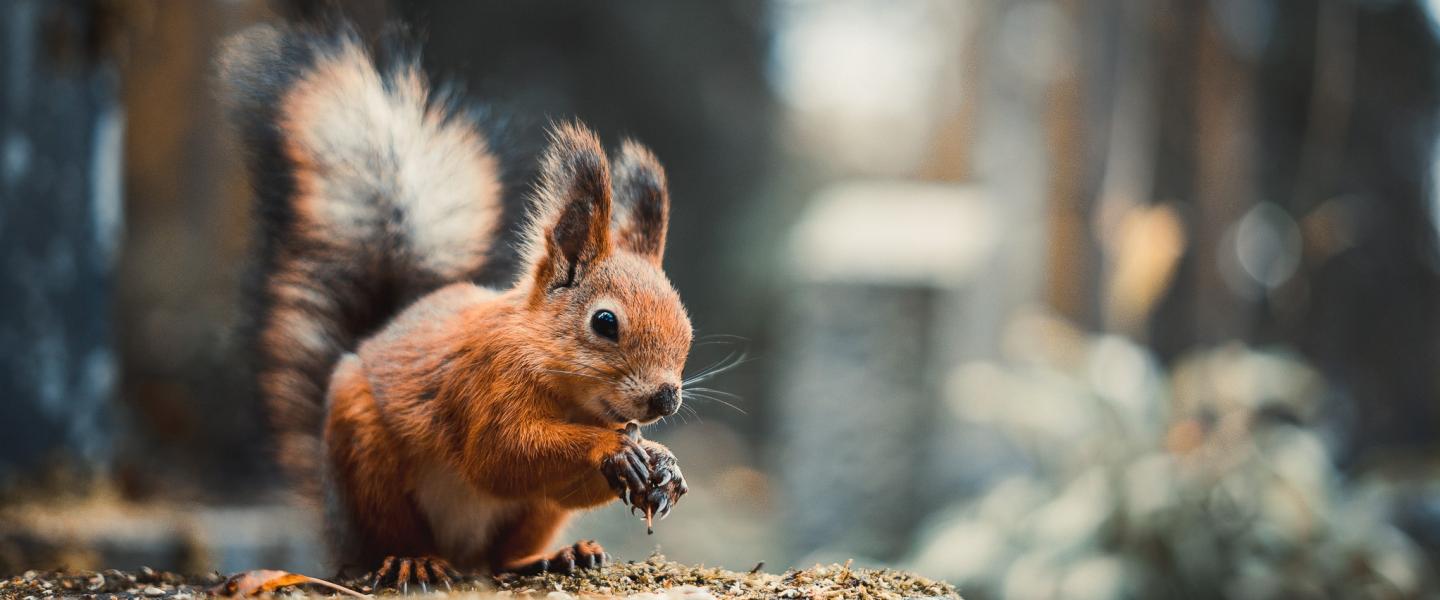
254,583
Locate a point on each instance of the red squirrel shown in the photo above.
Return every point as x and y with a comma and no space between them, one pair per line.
440,422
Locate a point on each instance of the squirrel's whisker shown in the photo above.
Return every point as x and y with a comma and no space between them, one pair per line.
714,336
695,413
717,392
714,399
723,365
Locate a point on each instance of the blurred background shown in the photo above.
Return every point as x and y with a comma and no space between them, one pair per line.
1047,298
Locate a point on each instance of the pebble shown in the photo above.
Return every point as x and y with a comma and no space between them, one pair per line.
153,591
683,592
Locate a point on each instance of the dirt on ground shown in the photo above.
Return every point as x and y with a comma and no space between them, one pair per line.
651,579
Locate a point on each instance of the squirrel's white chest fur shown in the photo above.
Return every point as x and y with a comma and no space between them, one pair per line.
461,518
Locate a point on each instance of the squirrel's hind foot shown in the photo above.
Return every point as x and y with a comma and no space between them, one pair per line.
584,554
398,572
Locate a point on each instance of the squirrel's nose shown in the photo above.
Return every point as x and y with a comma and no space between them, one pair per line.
665,402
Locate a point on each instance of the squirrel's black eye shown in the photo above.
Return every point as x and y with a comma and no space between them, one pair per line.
605,325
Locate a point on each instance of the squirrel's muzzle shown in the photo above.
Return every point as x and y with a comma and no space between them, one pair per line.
664,402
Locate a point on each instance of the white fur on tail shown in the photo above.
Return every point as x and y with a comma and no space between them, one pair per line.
376,154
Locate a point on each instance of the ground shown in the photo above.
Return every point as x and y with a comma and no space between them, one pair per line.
652,579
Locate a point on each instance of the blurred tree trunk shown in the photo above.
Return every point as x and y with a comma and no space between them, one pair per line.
60,154
1071,255
1315,123
1294,140
1351,139
187,414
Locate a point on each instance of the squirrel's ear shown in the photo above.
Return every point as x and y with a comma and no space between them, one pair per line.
644,200
569,227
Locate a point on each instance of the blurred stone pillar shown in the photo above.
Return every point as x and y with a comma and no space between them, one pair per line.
60,215
863,344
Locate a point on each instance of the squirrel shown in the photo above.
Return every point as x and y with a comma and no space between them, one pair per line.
442,424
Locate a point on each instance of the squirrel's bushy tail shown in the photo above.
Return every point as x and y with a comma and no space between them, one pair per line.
371,191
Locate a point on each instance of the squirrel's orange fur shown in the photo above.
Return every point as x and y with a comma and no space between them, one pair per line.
469,424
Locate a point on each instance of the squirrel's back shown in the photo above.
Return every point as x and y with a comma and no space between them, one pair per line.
371,192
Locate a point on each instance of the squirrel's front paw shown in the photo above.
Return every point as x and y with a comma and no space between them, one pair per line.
628,471
667,484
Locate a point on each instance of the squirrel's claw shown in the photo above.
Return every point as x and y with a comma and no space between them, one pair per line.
627,471
422,575
661,504
667,482
381,572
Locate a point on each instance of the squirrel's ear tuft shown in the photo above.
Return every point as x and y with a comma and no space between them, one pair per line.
569,225
644,199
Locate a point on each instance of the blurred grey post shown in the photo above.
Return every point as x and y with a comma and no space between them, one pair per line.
878,266
60,215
